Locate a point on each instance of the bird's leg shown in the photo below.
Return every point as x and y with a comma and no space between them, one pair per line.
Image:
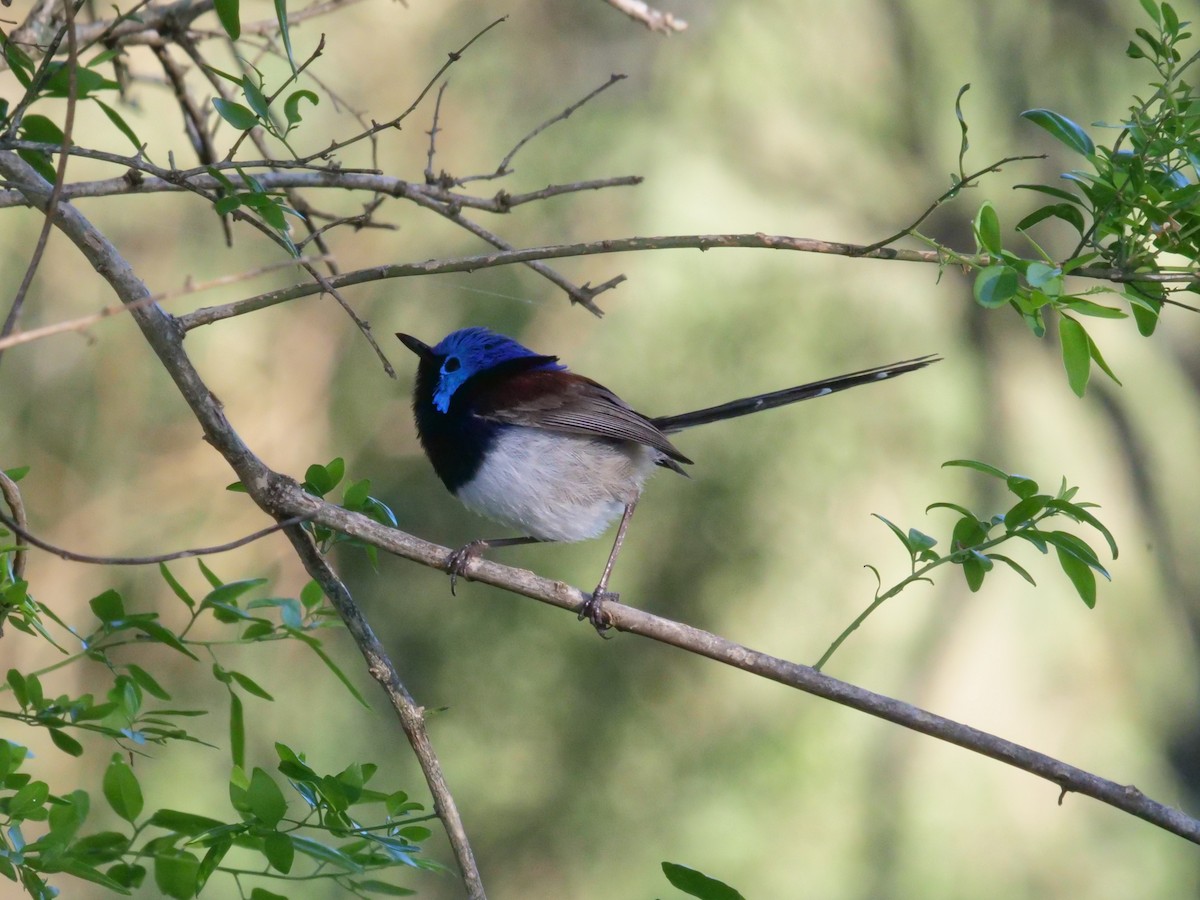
593,609
457,562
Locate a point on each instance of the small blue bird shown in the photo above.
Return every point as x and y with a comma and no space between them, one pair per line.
519,439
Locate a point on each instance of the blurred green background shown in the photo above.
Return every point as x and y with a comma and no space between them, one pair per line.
579,765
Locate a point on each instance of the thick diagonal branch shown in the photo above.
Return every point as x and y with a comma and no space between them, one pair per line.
264,486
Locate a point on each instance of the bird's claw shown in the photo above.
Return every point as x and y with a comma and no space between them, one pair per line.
457,562
593,610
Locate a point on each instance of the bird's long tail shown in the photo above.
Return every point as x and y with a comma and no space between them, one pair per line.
759,402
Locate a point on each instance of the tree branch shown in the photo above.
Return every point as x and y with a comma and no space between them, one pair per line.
264,486
1068,778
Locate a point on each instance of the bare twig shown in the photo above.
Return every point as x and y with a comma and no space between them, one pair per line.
83,322
60,178
642,12
304,175
363,326
581,294
430,178
950,193
453,57
72,556
503,169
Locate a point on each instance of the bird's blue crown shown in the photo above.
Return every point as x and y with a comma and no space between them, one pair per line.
468,352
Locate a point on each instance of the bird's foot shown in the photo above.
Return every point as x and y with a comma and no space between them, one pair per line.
593,610
457,562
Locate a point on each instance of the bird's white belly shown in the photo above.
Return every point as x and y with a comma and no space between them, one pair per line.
557,487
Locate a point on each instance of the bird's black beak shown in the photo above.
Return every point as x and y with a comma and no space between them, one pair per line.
423,350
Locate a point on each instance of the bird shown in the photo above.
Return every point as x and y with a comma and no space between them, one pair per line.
518,438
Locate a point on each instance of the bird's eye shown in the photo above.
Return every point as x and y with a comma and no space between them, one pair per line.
451,365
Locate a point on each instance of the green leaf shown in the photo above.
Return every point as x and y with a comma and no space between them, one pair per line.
331,665
995,286
263,894
17,682
978,467
374,886
28,800
1151,9
235,114
697,884
251,686
1062,128
1024,510
279,851
237,730
227,12
121,125
175,873
1052,191
209,575
212,859
987,229
254,96
323,854
1082,307
183,822
146,682
1080,574
291,106
918,540
175,586
223,206
108,607
1082,515
1094,351
1076,352
1064,211
1021,486
66,743
1015,567
900,535
265,798
974,571
127,875
356,494
122,791
40,129
281,16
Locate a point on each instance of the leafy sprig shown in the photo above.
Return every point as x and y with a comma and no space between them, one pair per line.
973,541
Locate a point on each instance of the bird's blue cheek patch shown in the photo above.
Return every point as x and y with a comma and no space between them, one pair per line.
448,383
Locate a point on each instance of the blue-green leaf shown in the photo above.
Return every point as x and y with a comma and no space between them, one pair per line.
1062,128
1076,352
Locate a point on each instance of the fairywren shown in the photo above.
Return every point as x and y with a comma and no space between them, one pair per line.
518,438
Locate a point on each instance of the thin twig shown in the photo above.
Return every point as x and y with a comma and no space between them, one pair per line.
950,193
60,177
433,132
581,294
640,11
72,556
453,57
363,326
83,322
296,176
503,169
